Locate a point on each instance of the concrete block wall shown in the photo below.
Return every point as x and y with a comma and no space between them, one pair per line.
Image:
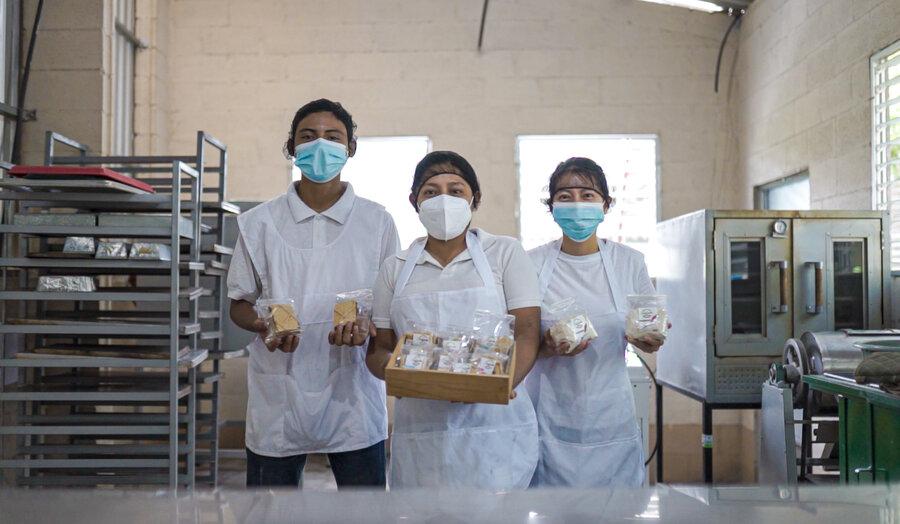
67,81
802,93
239,70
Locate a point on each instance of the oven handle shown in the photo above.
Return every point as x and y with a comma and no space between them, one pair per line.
817,304
782,306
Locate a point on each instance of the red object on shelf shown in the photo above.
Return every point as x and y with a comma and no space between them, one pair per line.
70,172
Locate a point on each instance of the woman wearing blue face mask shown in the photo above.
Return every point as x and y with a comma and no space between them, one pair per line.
589,435
313,393
440,281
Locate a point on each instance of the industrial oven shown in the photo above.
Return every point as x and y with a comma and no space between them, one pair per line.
740,283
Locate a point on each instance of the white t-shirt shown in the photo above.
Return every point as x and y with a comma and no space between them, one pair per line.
584,278
306,229
514,276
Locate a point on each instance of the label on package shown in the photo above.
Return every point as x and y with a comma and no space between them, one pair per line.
415,360
647,314
445,363
461,367
420,338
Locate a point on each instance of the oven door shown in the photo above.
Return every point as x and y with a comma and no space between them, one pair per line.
837,274
753,292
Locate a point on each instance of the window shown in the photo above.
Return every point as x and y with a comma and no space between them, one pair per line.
9,43
788,193
630,164
126,45
885,68
382,170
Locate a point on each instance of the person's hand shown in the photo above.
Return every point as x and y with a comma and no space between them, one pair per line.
287,344
647,344
549,348
348,334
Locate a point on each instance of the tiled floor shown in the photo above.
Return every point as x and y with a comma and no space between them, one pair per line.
316,477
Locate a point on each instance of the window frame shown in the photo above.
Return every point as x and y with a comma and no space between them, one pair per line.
879,64
126,46
604,136
9,69
761,191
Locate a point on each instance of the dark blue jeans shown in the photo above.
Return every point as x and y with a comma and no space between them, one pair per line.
360,468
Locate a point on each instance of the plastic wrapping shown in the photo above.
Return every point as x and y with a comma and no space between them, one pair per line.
66,284
647,316
572,324
281,319
80,245
485,348
418,358
112,250
150,251
354,306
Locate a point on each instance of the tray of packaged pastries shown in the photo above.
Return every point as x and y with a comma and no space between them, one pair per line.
453,364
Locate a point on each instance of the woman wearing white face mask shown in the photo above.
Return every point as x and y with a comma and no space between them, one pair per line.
313,393
583,398
441,280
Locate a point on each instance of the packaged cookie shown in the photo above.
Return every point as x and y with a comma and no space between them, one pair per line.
354,306
647,316
281,320
572,324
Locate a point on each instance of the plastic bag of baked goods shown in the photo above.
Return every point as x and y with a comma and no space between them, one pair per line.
571,323
647,316
354,306
281,319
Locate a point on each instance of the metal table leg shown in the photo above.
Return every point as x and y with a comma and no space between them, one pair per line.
707,439
659,433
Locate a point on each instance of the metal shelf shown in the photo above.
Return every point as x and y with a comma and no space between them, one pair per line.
89,231
85,463
156,448
37,360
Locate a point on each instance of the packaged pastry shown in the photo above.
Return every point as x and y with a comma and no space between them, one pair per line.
66,284
463,365
647,316
418,358
112,250
150,251
280,318
354,306
572,324
79,245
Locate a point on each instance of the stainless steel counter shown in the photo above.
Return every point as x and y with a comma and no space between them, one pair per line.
663,504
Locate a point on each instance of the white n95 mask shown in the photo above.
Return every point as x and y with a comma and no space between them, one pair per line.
445,216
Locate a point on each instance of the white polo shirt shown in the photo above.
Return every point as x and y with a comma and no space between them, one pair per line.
514,276
306,229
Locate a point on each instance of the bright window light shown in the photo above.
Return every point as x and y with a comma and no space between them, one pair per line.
382,170
698,5
629,162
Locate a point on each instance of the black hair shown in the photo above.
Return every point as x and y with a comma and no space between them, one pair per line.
461,166
584,167
322,105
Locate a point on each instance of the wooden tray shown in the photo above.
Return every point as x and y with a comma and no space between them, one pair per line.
444,385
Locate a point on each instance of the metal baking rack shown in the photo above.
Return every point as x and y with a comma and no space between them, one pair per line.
110,386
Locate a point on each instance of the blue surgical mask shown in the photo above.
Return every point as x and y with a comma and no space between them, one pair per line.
320,160
578,220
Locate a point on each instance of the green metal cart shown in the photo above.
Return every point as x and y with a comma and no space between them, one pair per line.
869,430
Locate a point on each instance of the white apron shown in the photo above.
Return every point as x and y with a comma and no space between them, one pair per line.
437,443
321,398
589,435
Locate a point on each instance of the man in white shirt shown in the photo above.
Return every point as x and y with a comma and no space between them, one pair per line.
312,393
